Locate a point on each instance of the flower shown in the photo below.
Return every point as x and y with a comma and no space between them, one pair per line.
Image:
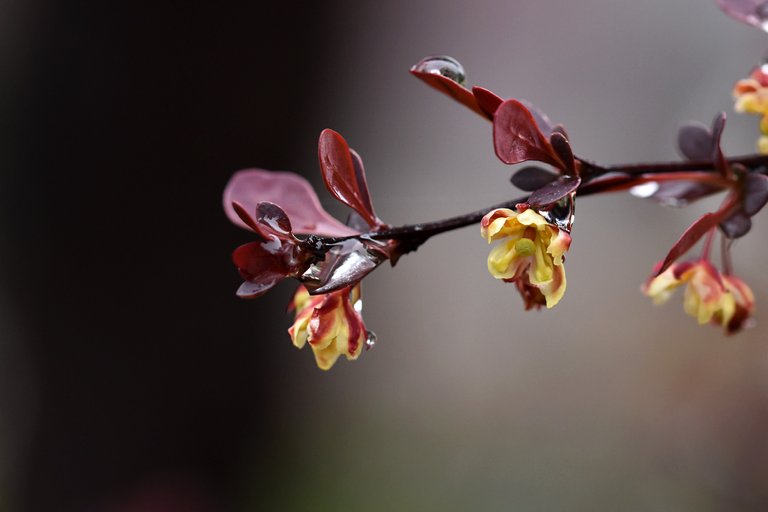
531,257
745,303
751,95
330,322
709,297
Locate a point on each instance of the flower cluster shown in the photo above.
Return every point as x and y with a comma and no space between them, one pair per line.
710,297
751,95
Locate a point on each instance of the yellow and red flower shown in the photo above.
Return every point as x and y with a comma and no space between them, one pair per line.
531,256
709,297
751,95
330,323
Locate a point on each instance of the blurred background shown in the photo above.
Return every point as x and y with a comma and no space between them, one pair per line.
132,379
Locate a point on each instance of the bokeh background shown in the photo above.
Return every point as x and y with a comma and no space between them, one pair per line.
132,379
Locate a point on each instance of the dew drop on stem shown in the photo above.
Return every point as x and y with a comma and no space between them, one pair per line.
442,65
370,340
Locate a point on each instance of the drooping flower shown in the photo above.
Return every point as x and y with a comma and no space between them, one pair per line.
330,323
531,255
751,95
709,297
745,303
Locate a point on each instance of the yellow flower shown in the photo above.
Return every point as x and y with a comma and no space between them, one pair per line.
330,323
531,256
707,296
751,95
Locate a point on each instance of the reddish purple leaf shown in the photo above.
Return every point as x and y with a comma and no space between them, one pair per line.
360,175
293,193
341,177
449,87
737,225
517,138
258,286
695,142
542,120
487,101
273,220
563,150
554,191
532,178
718,125
692,235
755,193
751,12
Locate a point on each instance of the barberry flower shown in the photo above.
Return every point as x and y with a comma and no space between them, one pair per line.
751,95
330,323
745,303
531,256
708,296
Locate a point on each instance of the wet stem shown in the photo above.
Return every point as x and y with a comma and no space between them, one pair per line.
627,176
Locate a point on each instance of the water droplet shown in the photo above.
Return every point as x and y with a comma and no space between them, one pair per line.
442,65
358,305
370,340
561,214
645,190
761,12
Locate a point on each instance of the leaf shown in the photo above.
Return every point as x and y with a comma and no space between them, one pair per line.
346,263
273,220
293,193
532,178
563,150
680,193
737,225
341,177
486,100
718,125
554,191
517,138
695,142
751,12
452,89
546,126
689,238
258,286
755,193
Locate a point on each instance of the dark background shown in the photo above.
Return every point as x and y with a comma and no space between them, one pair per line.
123,123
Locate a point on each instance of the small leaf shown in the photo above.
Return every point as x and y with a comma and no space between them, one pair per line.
360,176
718,125
554,191
737,225
293,193
546,126
692,235
532,178
517,138
487,101
755,193
563,150
681,193
451,88
258,286
341,177
695,142
272,219
346,263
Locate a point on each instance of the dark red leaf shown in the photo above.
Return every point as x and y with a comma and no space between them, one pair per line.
451,88
755,193
532,178
517,138
487,101
563,150
341,178
244,216
554,191
360,175
258,286
718,124
737,225
692,235
273,220
345,264
257,258
695,142
542,120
